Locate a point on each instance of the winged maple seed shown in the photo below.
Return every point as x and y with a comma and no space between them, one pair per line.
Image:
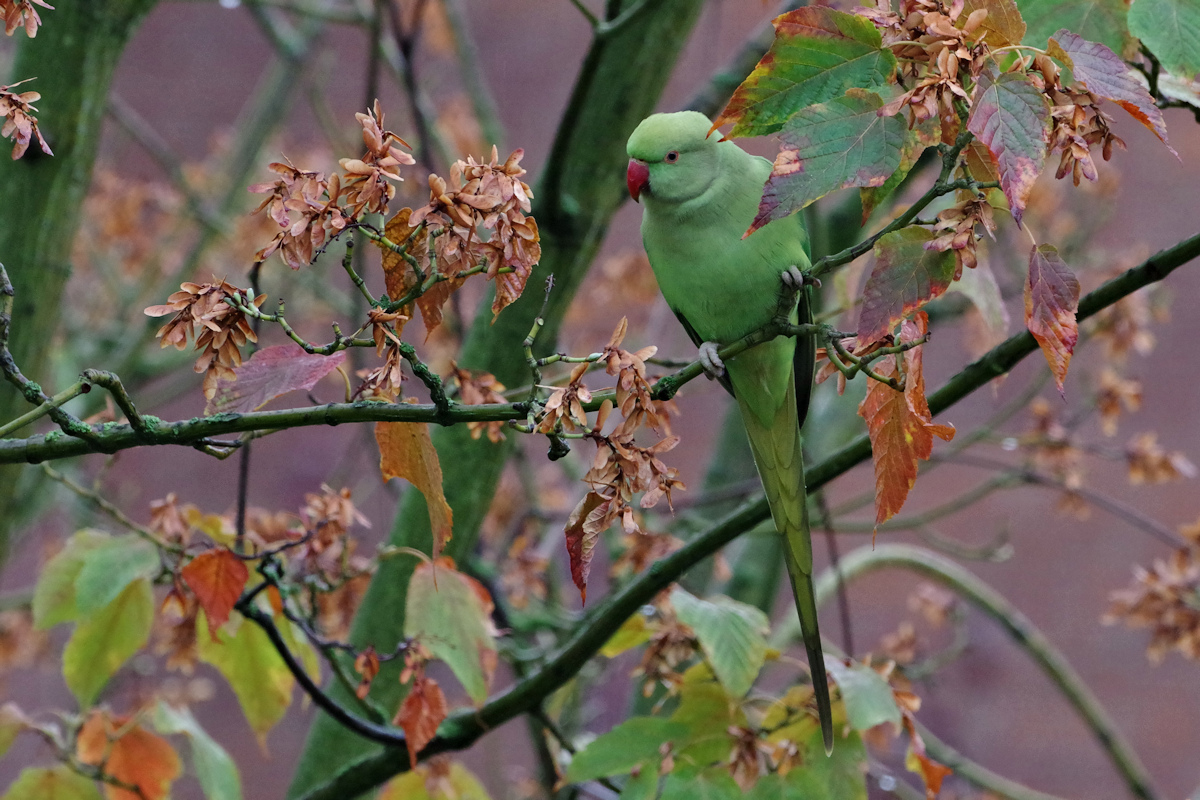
223,329
1149,463
367,180
956,229
21,13
671,644
19,122
1113,392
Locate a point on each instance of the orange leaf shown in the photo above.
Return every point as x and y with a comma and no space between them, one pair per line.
406,451
1051,300
900,425
138,757
581,538
420,715
917,760
217,577
398,276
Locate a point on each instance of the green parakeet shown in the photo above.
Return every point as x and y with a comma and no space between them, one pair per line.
700,196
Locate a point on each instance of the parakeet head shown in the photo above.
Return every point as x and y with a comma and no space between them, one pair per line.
672,157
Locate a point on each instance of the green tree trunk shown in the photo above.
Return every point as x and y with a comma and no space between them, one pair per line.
72,59
579,190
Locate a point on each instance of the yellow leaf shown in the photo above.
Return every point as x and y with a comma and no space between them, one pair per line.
406,451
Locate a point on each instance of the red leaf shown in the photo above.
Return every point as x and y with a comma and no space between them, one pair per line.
582,536
271,372
1051,300
406,451
217,577
420,715
1012,118
906,276
900,425
138,757
1103,73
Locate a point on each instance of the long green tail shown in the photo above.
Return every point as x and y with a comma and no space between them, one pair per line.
775,440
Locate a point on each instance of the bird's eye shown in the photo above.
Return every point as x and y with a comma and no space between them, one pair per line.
672,156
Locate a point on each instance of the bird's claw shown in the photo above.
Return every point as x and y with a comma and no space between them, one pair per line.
794,279
714,367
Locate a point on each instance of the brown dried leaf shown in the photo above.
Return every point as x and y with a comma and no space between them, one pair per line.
420,715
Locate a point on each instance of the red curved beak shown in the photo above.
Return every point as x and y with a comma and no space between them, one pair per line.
637,177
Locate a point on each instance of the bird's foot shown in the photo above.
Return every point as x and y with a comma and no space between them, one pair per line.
714,367
794,279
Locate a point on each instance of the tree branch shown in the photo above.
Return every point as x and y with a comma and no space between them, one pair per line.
1019,627
464,727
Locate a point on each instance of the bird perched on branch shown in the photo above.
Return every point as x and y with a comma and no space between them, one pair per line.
700,196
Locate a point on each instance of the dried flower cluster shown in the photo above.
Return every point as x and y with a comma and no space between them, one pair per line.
305,204
478,388
945,47
1149,463
21,13
1078,123
1166,599
19,122
671,644
484,197
956,231
223,328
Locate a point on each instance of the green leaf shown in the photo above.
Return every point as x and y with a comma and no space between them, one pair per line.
51,783
925,134
707,711
643,786
215,769
447,613
633,743
109,568
253,667
868,698
1012,117
818,54
1171,30
732,635
709,784
12,722
1103,73
831,146
54,594
1095,20
905,277
103,642
841,776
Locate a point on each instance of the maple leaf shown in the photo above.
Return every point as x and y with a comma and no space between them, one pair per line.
420,714
406,451
270,372
1012,117
129,753
907,275
1051,300
900,425
217,577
